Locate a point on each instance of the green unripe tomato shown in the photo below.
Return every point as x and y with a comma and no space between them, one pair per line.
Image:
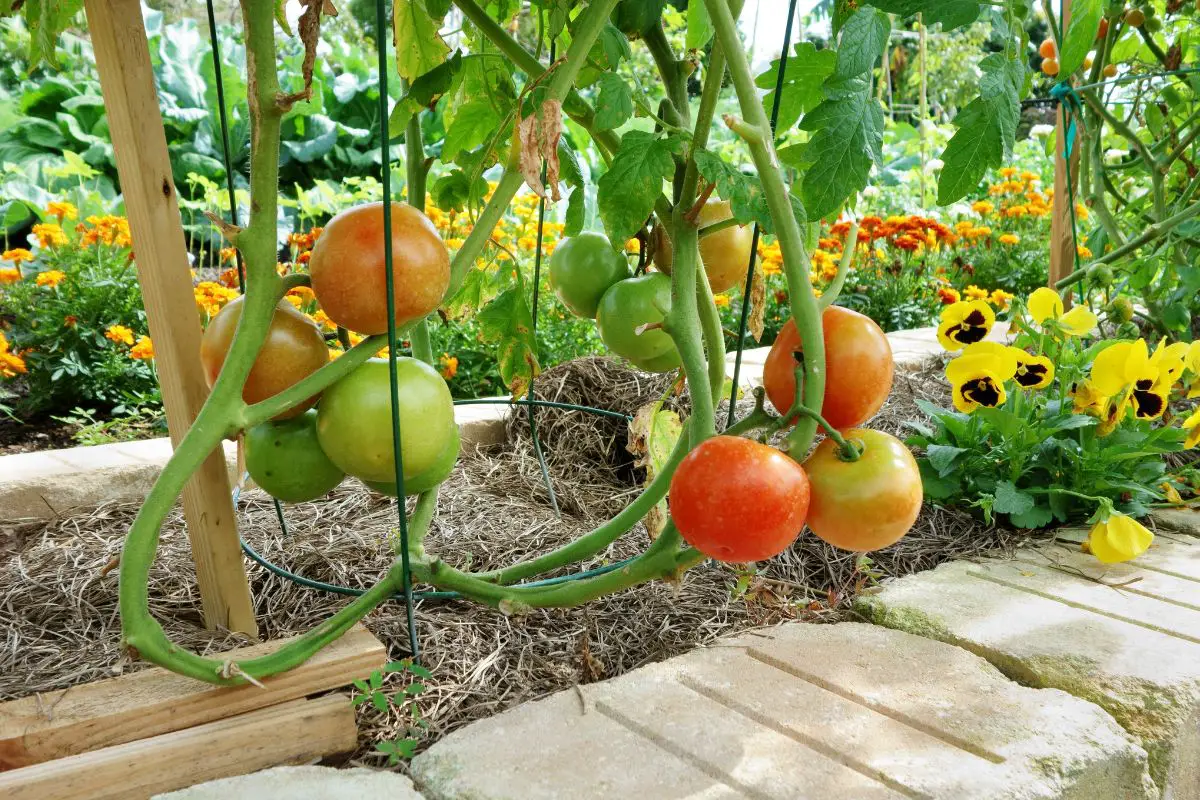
428,479
1120,309
1153,24
634,17
627,306
286,461
582,269
1101,275
354,420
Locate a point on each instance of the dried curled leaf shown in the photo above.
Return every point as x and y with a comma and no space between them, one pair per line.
538,135
758,305
310,33
653,433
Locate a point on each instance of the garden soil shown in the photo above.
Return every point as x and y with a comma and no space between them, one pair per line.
58,603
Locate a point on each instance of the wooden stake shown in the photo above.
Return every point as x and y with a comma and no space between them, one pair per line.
135,122
1062,244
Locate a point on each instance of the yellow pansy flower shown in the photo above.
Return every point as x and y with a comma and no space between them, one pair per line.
1192,426
1045,305
1118,538
964,323
1127,370
979,374
1033,372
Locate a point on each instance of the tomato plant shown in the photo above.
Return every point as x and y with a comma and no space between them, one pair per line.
625,309
737,500
348,268
867,503
858,362
725,254
583,268
354,422
294,348
286,461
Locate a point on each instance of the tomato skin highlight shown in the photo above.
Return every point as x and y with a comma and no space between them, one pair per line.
349,272
858,367
582,269
293,350
286,460
737,500
627,306
866,504
354,421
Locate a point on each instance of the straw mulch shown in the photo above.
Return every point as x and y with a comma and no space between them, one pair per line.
58,608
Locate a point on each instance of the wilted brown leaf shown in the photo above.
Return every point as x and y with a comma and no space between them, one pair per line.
653,433
538,135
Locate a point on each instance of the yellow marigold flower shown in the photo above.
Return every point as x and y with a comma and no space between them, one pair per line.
965,323
1083,251
143,350
119,334
973,292
527,242
10,363
50,278
16,255
1007,172
448,366
294,300
321,318
979,374
1000,298
454,243
305,294
633,246
1045,306
228,254
1081,212
1029,177
1118,538
62,210
8,275
1009,238
49,234
980,232
982,208
722,300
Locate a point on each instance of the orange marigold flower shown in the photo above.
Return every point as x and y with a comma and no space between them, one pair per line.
16,255
321,318
948,296
9,275
1009,238
448,366
62,210
1083,251
228,254
51,278
722,300
1029,177
1000,298
49,234
304,293
983,207
870,222
1007,172
70,321
119,334
229,278
10,363
143,350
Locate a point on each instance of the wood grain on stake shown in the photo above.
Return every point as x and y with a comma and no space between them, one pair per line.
292,733
135,124
53,725
1062,242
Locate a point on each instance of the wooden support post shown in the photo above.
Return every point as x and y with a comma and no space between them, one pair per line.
1062,243
135,122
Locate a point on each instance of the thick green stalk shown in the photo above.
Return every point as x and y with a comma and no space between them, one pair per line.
669,69
417,171
756,130
713,335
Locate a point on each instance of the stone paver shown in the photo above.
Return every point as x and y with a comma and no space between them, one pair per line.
1126,637
302,783
800,711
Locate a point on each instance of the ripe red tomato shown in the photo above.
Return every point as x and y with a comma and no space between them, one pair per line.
583,268
1048,49
286,461
627,306
737,500
865,504
858,367
354,422
349,272
294,349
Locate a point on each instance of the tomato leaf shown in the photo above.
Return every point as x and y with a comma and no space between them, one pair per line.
614,105
626,193
847,130
699,26
950,13
46,20
862,41
419,46
507,322
653,432
476,107
987,128
744,192
424,92
1080,35
806,70
455,191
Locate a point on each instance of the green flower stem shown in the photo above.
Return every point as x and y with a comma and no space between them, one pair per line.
669,68
589,24
220,415
756,419
296,279
683,324
830,296
576,107
591,543
756,132
1151,233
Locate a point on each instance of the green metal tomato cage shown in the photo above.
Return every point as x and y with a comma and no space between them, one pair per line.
407,595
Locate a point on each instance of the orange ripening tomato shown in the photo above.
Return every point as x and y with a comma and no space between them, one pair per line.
858,367
1048,49
349,272
1050,66
737,500
866,504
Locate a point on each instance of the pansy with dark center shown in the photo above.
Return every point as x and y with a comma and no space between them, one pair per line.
983,391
